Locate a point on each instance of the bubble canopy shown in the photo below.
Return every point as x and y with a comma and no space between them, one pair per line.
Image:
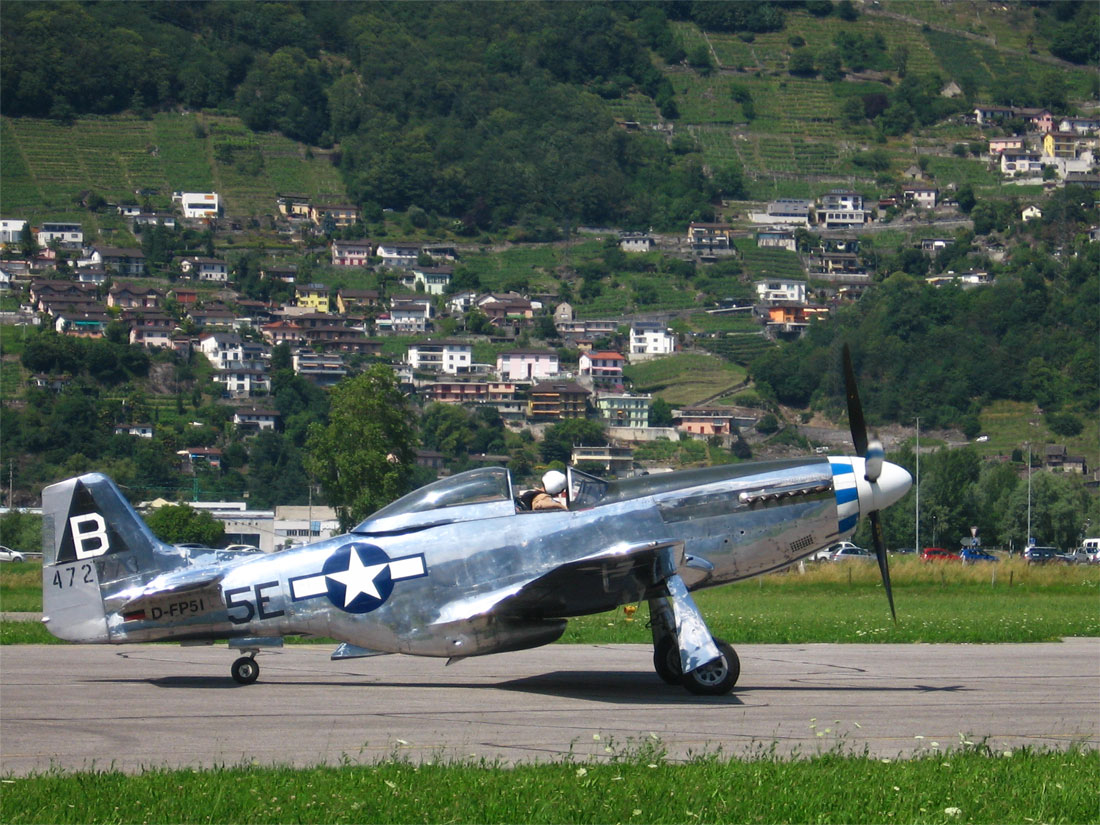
472,494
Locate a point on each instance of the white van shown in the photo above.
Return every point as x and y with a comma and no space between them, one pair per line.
1091,549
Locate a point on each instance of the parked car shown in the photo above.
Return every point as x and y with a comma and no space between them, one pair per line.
851,552
904,550
1043,555
970,555
827,553
939,554
1082,555
7,554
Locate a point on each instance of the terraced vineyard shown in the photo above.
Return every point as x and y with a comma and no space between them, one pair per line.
47,164
738,347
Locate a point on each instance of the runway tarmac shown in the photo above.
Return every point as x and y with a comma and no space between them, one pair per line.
143,706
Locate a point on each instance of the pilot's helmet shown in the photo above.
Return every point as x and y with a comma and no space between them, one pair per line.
553,482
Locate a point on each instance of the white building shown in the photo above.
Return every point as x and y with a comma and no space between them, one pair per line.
449,357
69,235
198,204
11,230
781,291
649,339
527,365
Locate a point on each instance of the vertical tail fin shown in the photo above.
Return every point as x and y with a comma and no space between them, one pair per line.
93,543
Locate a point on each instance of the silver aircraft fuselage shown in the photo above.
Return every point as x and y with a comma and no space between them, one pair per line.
454,569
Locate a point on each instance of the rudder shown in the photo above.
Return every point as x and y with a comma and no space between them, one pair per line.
93,542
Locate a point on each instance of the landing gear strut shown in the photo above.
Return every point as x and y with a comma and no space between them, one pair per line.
245,670
714,678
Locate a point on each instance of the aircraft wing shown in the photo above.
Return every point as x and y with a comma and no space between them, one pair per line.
616,575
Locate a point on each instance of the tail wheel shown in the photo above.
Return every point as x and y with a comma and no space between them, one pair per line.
245,670
715,678
666,661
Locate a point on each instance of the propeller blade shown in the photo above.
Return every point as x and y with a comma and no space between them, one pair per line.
883,564
855,409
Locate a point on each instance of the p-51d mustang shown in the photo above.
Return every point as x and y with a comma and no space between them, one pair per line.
454,569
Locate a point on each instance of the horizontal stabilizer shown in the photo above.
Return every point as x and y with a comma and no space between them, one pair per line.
616,575
346,651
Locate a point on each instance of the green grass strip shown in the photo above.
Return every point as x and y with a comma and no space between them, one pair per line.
970,785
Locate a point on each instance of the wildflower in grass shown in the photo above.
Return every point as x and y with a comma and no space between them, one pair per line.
952,811
582,772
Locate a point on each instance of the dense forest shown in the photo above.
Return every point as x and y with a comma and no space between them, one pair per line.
447,105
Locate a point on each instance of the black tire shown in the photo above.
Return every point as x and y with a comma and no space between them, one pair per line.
666,661
245,670
715,678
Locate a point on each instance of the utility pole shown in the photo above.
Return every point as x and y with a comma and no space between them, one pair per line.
916,541
1027,541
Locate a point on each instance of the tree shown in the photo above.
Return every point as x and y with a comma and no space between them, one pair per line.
176,523
660,413
363,459
802,63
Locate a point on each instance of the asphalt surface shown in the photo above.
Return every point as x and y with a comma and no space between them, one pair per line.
142,706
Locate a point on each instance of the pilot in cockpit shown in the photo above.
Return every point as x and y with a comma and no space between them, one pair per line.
544,496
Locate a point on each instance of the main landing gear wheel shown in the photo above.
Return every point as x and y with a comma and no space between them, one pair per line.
245,670
715,678
666,661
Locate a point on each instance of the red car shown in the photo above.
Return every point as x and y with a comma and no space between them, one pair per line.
938,554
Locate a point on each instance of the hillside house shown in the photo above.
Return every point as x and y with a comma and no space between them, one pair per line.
349,301
923,196
432,280
312,296
287,273
407,316
1080,125
1020,163
708,420
209,270
841,208
1067,145
638,242
527,365
1000,145
123,262
128,296
617,461
792,318
336,215
282,332
11,230
776,239
781,291
351,253
710,237
557,401
143,219
1031,212
81,323
451,357
649,339
198,205
253,419
323,369
457,391
620,409
985,113
294,206
603,369
785,212
67,235
398,255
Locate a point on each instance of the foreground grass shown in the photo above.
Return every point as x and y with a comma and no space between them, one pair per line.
970,785
1007,602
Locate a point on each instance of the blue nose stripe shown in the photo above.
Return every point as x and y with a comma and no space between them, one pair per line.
847,496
